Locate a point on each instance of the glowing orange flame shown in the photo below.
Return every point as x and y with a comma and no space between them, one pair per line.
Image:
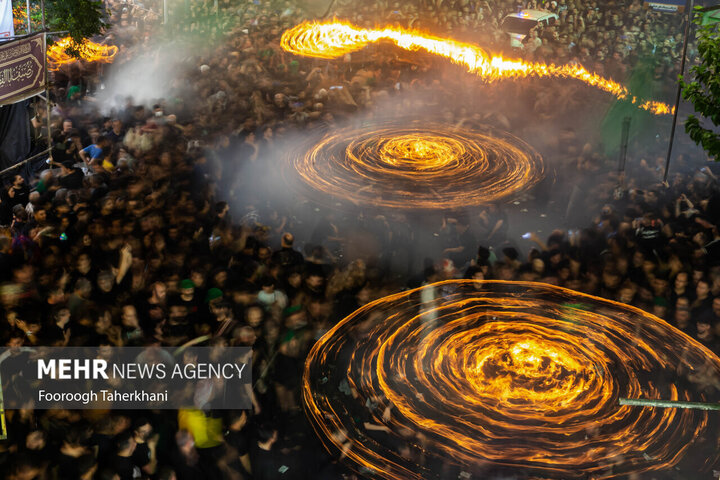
89,51
419,166
333,39
516,374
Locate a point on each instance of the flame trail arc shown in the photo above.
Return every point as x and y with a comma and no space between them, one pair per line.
333,39
510,375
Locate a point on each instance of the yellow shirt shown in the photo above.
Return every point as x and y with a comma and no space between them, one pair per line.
206,431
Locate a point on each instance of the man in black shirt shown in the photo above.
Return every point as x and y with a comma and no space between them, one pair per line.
70,177
71,450
287,256
269,464
122,462
237,439
144,454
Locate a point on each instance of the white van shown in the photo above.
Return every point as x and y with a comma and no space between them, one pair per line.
518,25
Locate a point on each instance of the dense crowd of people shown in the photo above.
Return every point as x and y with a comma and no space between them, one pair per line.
140,230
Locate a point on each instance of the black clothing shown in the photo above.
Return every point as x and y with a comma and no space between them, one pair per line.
123,466
73,180
270,465
287,257
141,455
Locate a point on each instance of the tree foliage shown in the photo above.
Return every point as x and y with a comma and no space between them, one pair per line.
81,18
702,89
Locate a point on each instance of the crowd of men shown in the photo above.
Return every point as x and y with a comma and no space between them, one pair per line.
141,231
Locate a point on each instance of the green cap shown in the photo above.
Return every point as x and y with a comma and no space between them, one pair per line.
187,283
72,91
660,302
212,294
291,310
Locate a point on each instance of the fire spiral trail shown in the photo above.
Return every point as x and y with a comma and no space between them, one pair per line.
423,166
505,375
334,39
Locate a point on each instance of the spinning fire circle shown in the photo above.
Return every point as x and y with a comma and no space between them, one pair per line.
420,166
512,375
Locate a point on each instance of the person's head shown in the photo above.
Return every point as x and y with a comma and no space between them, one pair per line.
166,473
682,317
681,280
702,290
83,263
682,302
697,274
287,240
36,440
294,279
187,290
62,316
106,281
280,100
268,285
159,291
40,215
266,435
129,318
716,306
660,307
254,316
475,273
221,209
704,328
314,281
142,429
67,126
611,278
125,444
197,277
264,254
237,419
538,266
103,319
626,294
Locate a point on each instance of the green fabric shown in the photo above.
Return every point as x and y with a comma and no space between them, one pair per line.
641,84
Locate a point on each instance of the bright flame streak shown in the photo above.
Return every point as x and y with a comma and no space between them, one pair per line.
519,374
336,38
89,51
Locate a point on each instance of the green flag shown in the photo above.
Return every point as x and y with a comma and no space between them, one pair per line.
641,85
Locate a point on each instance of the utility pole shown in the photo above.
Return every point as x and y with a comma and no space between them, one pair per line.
688,21
47,84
